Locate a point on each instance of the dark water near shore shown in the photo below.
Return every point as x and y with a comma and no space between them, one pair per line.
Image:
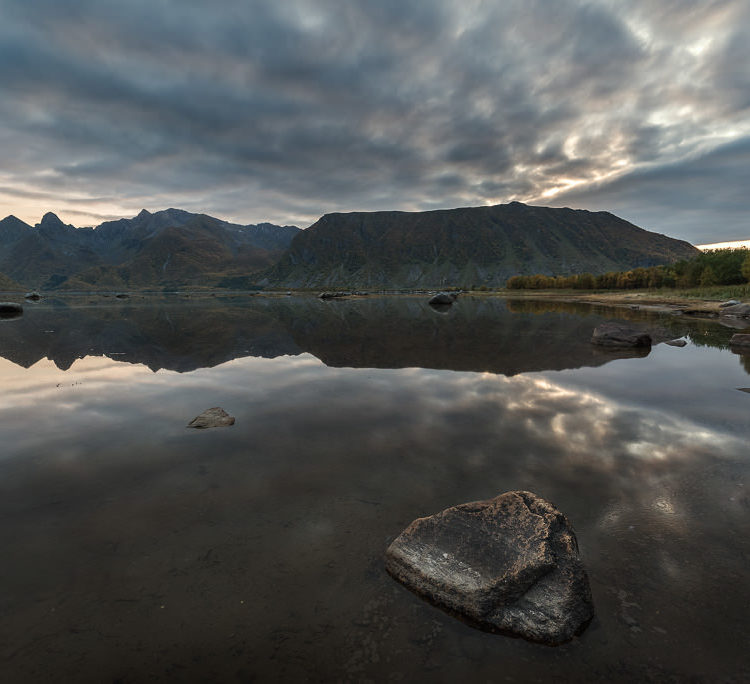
137,550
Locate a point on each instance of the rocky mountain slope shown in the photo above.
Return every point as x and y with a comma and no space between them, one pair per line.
8,284
463,247
166,249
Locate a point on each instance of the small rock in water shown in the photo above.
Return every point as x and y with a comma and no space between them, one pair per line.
508,565
676,343
613,334
34,296
213,417
10,309
443,299
731,302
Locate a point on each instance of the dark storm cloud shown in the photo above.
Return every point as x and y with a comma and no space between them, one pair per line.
282,111
713,210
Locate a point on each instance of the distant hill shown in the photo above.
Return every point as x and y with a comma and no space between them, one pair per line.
165,249
470,246
9,285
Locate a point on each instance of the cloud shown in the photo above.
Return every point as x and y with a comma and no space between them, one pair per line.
700,199
268,111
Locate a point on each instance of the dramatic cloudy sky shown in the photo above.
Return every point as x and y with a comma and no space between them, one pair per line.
277,110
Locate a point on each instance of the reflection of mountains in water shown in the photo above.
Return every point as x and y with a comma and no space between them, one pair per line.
476,334
178,336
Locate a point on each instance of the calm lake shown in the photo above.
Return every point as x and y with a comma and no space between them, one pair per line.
135,549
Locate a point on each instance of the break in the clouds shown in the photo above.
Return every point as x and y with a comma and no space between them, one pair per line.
263,110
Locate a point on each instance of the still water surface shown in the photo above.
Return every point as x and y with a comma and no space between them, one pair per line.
136,550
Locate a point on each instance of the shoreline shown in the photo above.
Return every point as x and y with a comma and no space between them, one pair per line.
648,300
642,300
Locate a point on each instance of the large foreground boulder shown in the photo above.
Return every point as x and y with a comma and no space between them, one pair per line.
617,334
508,565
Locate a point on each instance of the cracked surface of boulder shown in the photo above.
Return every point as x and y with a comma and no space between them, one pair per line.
508,565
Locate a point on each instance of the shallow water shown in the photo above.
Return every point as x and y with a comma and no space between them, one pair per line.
138,550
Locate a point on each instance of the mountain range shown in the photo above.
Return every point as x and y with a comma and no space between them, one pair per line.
174,249
476,245
162,250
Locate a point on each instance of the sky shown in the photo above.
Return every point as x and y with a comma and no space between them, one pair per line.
261,110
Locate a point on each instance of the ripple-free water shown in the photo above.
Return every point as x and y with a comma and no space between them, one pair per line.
135,549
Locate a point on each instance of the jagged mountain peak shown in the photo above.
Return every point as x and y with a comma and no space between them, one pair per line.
10,218
171,247
12,228
51,221
176,213
50,218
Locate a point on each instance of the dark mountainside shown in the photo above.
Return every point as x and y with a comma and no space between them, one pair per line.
464,247
166,249
9,285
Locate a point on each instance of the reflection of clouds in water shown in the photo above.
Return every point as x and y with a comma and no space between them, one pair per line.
582,425
478,415
324,466
402,431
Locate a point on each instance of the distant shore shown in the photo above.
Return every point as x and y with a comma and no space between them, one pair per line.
706,302
650,300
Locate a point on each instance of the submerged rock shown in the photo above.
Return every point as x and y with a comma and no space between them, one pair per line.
508,565
615,334
676,343
34,296
731,302
213,417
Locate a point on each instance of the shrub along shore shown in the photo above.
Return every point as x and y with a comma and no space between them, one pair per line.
725,267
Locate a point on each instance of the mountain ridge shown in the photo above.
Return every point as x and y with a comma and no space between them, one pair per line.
466,246
124,253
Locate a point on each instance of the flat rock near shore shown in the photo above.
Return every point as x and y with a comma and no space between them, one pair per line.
508,565
618,334
740,340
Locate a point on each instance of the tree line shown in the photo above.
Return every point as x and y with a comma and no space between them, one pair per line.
712,267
